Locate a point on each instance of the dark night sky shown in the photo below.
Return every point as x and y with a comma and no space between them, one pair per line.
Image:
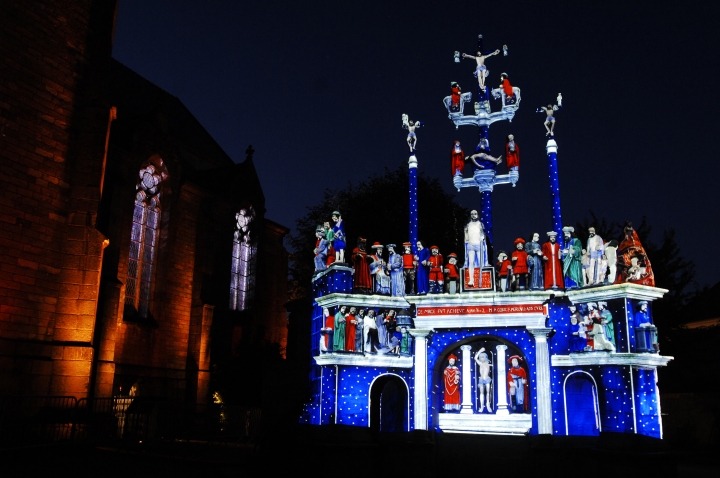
318,89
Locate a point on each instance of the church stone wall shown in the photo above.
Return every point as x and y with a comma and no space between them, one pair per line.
53,125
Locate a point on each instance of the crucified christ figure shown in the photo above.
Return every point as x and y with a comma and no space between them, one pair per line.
481,70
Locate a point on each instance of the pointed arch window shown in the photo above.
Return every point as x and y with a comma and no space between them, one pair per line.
242,276
144,236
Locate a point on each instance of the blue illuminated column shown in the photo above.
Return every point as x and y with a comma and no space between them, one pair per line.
412,165
551,148
486,215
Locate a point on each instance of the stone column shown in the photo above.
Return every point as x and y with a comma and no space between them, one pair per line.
420,400
501,382
466,380
542,380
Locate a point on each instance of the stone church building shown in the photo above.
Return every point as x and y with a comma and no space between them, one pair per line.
134,252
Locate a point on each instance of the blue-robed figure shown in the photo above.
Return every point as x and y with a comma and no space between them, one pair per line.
397,277
535,265
423,269
645,331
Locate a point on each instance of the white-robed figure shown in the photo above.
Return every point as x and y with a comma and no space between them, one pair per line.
596,249
475,247
378,271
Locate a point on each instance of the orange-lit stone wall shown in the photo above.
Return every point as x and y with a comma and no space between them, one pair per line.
53,128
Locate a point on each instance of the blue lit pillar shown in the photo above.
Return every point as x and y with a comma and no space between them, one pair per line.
551,148
412,165
486,216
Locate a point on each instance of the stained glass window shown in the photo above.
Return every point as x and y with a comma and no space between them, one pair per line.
144,236
242,274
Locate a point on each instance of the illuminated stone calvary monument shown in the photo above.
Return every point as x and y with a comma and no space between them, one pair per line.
551,351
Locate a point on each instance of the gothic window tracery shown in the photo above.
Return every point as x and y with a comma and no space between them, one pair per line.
242,276
144,236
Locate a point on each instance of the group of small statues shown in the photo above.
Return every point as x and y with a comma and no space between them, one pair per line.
458,158
536,267
530,266
592,328
359,330
518,396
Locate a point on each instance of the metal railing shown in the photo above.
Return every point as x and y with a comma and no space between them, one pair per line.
121,420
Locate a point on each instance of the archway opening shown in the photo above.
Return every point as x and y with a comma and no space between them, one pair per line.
388,405
581,405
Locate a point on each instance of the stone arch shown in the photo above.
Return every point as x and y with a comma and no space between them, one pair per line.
389,404
584,420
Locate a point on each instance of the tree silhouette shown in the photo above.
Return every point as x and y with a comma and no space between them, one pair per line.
377,209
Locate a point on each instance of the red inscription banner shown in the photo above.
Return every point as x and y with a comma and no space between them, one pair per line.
482,310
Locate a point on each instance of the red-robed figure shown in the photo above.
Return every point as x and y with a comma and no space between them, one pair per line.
517,385
507,89
455,97
350,330
458,159
551,259
512,153
362,283
633,263
452,385
436,271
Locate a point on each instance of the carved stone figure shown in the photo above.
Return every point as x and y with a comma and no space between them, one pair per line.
326,331
338,237
339,327
520,264
452,275
577,331
507,89
596,249
409,265
350,329
481,70
370,332
553,267
550,120
378,269
405,341
475,247
483,157
535,263
597,332
321,249
633,262
512,153
395,266
382,331
423,269
645,331
517,385
411,126
329,237
572,259
484,380
503,271
611,255
362,284
607,322
452,385
455,97
436,270
360,330
457,157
